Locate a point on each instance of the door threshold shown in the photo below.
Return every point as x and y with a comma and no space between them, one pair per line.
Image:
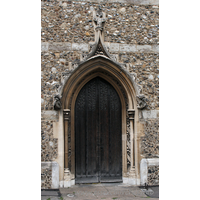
111,181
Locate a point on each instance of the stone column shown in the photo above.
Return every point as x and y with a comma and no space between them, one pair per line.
66,122
132,174
67,174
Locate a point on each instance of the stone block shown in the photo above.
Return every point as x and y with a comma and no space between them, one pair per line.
61,184
49,115
80,47
55,175
155,48
60,46
144,164
144,48
153,161
67,184
115,57
52,167
150,114
127,48
107,44
114,47
137,2
44,46
143,171
45,165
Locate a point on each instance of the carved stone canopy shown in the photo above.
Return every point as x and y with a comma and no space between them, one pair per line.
98,49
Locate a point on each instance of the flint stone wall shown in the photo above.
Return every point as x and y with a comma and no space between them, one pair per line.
49,175
131,35
153,175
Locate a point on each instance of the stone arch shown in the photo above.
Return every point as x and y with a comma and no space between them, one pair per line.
127,90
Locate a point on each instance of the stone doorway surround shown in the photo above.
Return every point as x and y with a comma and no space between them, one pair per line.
99,63
128,91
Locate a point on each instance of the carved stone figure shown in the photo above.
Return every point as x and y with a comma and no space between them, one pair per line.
141,102
57,103
99,20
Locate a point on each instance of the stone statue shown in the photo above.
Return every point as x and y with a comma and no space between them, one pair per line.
99,20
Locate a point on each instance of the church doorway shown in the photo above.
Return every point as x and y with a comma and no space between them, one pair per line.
98,133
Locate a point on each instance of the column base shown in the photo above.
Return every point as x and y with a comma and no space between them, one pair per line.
131,181
66,184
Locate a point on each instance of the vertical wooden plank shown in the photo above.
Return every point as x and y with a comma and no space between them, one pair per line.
115,134
98,132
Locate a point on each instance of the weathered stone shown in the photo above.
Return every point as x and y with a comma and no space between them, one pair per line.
144,165
53,70
49,115
150,77
127,48
80,47
57,103
143,48
131,35
64,5
77,16
44,46
150,114
63,25
87,34
60,46
155,48
114,47
50,175
55,175
122,10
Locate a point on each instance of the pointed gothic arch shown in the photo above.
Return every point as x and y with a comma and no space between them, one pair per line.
112,72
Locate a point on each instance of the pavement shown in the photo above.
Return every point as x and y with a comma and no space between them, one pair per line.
107,191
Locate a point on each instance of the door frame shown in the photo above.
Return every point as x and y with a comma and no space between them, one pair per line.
123,112
127,90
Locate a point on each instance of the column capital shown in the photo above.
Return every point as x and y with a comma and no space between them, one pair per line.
66,113
131,113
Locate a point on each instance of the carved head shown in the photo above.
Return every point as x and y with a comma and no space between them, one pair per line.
99,13
57,103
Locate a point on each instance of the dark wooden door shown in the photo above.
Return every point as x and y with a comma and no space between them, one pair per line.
98,146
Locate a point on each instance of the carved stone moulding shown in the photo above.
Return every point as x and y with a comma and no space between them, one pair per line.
66,113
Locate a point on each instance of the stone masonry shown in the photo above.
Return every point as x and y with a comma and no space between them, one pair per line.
131,36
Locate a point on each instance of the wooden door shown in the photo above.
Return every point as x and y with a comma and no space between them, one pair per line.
98,146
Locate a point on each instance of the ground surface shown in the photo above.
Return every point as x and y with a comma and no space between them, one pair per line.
103,191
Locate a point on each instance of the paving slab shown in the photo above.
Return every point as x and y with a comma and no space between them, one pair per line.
50,197
105,191
154,192
50,193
